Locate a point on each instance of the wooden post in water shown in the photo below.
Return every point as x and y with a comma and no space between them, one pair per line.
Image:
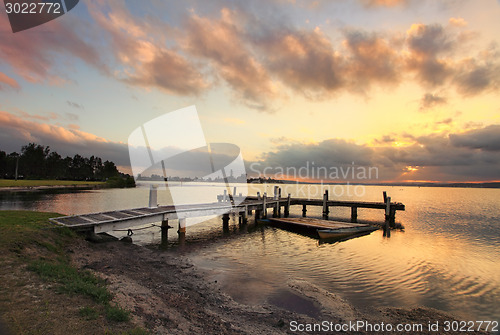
264,206
249,211
279,203
258,195
164,231
257,215
225,221
182,226
287,206
224,199
325,205
275,195
354,214
244,215
304,210
275,209
387,208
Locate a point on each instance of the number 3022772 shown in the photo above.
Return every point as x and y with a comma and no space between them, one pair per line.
33,8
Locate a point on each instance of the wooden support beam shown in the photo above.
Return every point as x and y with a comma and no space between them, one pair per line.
304,210
264,206
326,211
243,216
287,206
354,214
225,221
164,232
182,226
275,209
387,208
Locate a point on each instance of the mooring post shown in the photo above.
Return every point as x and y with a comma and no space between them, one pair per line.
325,205
304,210
279,202
264,206
275,208
287,206
153,196
182,226
392,216
385,196
164,231
244,215
224,199
225,221
258,195
354,214
387,208
275,195
257,214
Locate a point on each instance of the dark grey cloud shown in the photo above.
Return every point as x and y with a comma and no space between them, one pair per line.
430,100
471,156
74,104
487,138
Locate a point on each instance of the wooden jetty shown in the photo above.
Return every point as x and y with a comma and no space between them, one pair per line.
226,204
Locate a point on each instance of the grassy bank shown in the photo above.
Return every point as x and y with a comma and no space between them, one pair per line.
36,183
42,292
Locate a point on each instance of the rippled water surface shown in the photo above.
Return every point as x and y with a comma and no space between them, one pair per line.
447,257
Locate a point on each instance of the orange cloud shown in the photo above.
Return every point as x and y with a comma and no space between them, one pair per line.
222,42
145,60
6,80
16,131
31,53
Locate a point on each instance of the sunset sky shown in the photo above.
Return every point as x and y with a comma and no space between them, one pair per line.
410,87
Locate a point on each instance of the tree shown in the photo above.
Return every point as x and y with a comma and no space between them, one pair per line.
110,170
32,160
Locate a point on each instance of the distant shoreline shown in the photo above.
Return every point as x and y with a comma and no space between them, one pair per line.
52,187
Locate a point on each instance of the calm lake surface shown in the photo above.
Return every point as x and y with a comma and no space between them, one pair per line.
447,258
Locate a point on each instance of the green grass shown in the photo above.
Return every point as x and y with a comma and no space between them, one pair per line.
117,314
28,240
72,280
34,183
89,313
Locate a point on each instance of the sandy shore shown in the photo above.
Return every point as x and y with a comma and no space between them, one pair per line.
168,295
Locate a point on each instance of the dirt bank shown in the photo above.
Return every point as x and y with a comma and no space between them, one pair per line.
168,295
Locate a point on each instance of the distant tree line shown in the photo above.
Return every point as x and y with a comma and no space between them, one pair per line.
38,162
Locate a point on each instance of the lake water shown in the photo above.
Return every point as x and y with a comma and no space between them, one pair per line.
447,258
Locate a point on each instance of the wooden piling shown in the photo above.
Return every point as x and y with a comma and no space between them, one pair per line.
387,208
326,211
164,231
264,206
244,217
225,221
182,226
275,209
304,210
287,206
354,214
